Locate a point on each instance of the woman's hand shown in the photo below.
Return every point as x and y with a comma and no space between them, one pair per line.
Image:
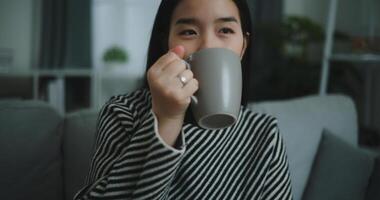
170,96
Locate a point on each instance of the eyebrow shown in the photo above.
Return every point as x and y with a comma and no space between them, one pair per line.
195,21
227,19
186,21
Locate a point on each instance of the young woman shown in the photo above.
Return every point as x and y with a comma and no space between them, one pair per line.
147,144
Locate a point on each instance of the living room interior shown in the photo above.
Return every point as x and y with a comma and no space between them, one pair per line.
316,68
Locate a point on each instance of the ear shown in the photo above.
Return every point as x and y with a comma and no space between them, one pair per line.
245,44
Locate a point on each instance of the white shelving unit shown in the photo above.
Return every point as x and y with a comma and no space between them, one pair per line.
57,99
115,82
103,84
367,60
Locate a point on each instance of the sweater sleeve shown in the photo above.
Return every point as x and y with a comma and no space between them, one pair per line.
130,161
277,185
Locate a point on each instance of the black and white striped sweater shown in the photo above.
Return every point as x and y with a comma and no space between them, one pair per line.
245,161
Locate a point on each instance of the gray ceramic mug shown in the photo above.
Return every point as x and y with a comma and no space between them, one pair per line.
216,104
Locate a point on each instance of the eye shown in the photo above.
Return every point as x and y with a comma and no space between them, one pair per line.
226,31
188,32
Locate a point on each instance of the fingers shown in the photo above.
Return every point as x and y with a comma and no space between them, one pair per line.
170,96
184,78
165,75
175,68
155,71
190,88
187,75
179,50
164,60
182,96
170,70
177,53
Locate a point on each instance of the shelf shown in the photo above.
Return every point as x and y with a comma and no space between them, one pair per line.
329,55
12,72
65,89
356,57
49,72
71,89
65,72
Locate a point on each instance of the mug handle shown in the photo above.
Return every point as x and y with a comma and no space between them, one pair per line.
194,99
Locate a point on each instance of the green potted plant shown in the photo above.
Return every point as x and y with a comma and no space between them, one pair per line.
300,33
115,57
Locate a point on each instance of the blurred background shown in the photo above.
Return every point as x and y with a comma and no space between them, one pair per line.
77,54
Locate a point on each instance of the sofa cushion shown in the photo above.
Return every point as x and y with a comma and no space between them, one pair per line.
79,132
340,171
30,151
373,191
301,122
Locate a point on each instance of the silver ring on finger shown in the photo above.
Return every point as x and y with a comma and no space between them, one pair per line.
183,80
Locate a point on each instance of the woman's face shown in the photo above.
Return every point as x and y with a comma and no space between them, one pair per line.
199,24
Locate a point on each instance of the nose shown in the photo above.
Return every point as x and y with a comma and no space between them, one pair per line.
209,40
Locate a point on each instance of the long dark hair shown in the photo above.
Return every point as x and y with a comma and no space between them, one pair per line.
158,44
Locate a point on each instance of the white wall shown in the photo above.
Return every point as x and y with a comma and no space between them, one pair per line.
17,20
126,23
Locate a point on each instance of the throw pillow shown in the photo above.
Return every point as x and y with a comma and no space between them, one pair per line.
373,191
340,171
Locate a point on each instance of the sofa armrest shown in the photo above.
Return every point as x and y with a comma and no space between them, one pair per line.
30,151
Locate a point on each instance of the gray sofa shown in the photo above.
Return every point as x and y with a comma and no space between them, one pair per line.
46,156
